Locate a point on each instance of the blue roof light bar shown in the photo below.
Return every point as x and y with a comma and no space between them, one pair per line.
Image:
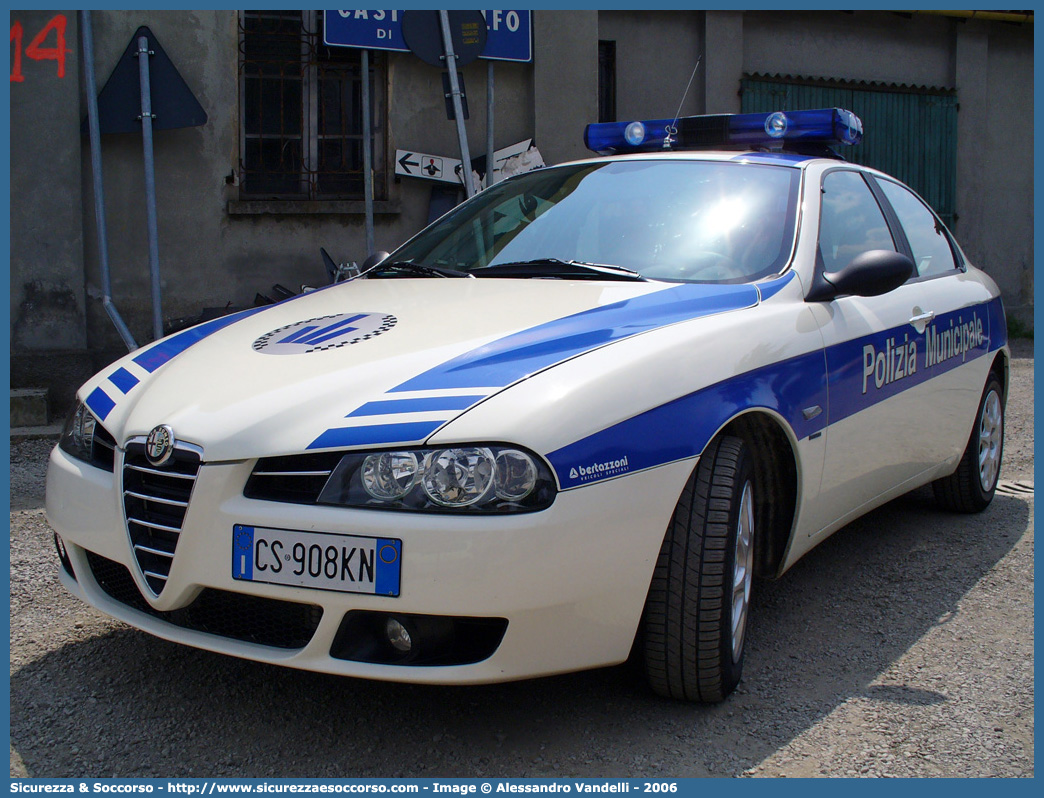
822,127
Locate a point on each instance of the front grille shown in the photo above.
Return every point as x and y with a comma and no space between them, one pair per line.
155,500
253,619
296,478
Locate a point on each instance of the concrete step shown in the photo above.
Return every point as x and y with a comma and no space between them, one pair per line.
49,432
28,407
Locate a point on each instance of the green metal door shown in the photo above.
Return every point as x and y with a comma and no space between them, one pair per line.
911,135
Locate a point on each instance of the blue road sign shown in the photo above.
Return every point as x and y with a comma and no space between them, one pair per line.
510,33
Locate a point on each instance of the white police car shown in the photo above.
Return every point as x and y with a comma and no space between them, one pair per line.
590,403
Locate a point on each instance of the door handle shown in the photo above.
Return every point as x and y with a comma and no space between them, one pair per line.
922,318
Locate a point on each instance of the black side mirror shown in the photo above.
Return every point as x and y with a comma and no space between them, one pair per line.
871,273
374,259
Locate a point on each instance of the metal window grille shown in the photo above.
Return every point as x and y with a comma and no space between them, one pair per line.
301,111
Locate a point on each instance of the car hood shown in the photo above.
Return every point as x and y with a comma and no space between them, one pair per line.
375,362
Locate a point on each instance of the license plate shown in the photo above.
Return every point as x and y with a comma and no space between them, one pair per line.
320,560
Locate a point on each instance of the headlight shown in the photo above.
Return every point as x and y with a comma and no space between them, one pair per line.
78,436
390,475
465,479
86,439
458,477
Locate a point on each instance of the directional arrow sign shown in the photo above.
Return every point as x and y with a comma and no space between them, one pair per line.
406,163
446,170
429,167
508,152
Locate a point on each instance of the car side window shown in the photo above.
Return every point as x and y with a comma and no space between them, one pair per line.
850,222
931,247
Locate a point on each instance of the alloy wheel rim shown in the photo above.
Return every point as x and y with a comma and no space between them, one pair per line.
742,569
991,431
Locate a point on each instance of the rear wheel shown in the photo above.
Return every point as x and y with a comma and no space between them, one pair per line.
970,488
696,613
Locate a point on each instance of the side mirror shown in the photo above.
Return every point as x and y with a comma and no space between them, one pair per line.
374,259
871,273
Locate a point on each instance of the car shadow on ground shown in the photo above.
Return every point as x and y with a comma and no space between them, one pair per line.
820,635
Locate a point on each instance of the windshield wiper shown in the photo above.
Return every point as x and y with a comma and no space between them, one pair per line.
416,268
562,269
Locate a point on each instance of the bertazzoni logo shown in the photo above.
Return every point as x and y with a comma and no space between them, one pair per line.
602,470
323,333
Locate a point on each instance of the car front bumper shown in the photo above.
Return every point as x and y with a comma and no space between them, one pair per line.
571,581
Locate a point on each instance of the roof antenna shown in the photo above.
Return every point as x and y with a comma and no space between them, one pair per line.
672,129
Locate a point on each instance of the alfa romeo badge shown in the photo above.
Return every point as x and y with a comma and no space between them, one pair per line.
159,446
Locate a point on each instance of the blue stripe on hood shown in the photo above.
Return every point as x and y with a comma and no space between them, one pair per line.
100,403
167,348
516,356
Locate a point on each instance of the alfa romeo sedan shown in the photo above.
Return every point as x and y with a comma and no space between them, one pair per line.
575,416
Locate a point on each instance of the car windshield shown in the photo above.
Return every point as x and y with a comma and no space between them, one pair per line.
676,220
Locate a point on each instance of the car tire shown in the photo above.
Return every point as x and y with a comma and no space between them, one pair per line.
696,612
970,488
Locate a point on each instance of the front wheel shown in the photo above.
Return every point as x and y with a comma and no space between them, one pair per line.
696,613
970,488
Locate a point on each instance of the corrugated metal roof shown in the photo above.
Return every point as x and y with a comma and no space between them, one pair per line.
864,85
1015,17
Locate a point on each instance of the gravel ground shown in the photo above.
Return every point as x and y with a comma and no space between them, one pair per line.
902,646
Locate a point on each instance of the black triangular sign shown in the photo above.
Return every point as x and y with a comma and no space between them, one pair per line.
173,103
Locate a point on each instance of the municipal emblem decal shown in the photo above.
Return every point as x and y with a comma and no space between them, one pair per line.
325,332
159,446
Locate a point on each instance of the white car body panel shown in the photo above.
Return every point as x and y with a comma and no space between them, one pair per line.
619,386
242,394
562,617
872,432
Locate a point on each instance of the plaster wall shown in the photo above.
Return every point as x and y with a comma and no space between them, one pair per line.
47,287
565,81
859,45
655,55
1003,241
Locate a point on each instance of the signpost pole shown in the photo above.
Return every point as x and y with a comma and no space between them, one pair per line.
367,154
150,185
458,109
489,124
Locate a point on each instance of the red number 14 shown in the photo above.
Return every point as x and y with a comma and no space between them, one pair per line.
36,50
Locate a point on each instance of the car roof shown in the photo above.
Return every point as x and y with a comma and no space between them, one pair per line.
790,159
